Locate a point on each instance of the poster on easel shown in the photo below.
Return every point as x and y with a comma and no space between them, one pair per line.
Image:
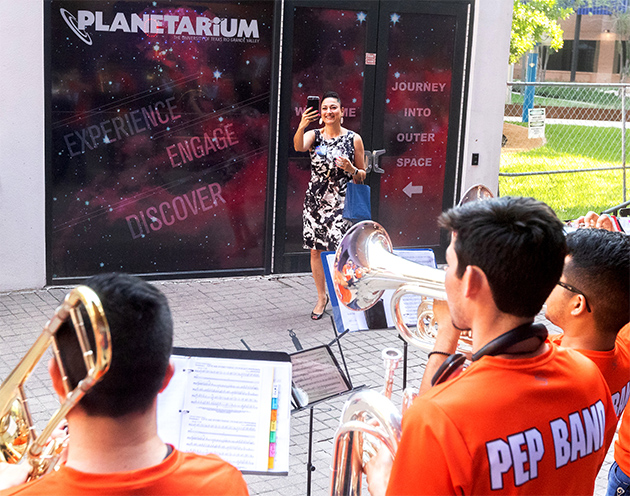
232,403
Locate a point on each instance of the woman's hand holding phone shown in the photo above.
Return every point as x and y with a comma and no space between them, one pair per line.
309,115
312,110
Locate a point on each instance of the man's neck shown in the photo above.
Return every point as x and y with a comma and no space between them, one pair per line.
586,337
491,326
105,445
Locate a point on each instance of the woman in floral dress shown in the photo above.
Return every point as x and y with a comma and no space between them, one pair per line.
337,156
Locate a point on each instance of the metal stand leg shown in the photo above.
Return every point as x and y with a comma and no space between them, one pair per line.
404,384
309,465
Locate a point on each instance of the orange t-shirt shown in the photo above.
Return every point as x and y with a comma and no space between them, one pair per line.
179,474
508,426
622,444
614,366
624,334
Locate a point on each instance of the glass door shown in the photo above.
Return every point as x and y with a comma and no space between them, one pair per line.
399,70
418,101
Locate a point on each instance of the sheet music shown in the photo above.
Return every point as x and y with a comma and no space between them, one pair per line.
355,321
316,375
171,403
409,303
223,406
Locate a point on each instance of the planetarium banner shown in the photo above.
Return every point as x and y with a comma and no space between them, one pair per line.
157,136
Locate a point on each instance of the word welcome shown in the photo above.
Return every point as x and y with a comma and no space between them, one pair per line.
178,209
347,111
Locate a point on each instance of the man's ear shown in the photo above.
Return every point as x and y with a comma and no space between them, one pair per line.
474,281
55,375
577,304
170,371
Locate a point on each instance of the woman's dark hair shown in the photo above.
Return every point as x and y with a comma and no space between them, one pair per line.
519,244
141,329
331,94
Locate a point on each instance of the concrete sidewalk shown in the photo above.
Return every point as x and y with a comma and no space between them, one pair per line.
219,313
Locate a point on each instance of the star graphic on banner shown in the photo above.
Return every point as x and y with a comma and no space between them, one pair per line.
361,16
394,18
217,74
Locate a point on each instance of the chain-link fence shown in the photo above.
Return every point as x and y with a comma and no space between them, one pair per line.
573,156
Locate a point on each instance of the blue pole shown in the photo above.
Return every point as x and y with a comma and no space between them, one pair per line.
528,94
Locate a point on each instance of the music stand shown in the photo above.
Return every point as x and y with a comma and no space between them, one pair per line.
317,377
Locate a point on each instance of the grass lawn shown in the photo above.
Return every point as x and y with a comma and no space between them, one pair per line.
568,148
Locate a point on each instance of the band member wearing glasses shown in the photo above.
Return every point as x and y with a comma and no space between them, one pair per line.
526,417
597,265
114,448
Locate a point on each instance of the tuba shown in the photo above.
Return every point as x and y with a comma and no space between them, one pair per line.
365,267
18,438
476,192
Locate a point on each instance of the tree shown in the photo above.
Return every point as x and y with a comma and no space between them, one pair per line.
535,20
621,26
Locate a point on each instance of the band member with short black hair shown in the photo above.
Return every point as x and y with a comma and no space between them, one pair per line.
114,448
526,417
591,303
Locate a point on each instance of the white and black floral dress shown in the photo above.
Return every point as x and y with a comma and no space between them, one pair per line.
323,223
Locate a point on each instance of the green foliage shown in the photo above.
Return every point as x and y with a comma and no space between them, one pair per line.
534,20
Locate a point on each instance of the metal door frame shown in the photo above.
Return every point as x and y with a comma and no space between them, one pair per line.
374,84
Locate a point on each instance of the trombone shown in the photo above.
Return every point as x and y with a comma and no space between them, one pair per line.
18,437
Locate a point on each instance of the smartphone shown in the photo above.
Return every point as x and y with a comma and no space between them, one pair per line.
312,102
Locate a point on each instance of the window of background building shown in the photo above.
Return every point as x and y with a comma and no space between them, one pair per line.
561,60
619,56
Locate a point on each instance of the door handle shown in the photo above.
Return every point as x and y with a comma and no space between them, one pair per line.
368,161
371,161
375,155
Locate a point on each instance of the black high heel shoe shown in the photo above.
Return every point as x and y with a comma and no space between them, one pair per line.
317,316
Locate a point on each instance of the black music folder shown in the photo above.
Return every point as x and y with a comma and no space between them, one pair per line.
233,403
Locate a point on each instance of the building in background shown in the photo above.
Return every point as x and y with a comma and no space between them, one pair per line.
151,139
602,46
